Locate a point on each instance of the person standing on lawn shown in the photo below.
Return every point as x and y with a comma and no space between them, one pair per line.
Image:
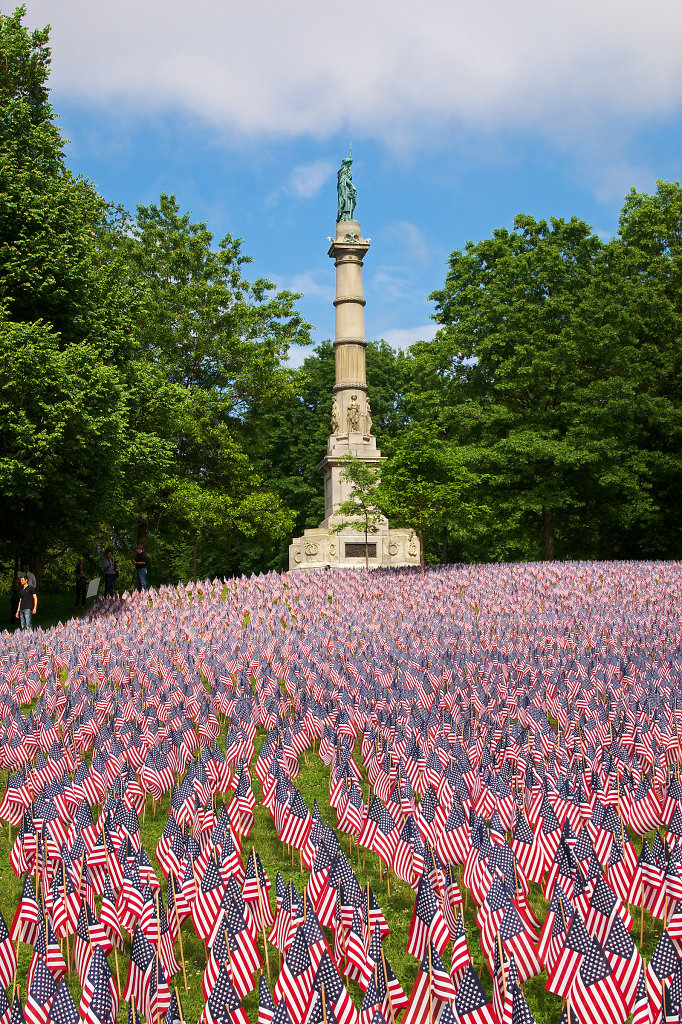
28,603
141,563
110,568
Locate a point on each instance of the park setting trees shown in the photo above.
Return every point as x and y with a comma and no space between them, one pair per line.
552,374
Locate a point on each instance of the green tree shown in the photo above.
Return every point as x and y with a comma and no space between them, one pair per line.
62,427
543,376
61,332
48,216
216,344
423,485
360,511
649,249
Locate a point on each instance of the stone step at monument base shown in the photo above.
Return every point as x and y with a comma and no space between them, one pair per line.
319,548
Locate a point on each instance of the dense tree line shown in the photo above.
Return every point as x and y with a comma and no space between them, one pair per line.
145,393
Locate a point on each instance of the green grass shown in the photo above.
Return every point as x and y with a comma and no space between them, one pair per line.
52,609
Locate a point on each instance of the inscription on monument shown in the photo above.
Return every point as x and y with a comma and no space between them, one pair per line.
358,551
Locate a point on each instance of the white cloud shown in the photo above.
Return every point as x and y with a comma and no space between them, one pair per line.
403,337
373,67
615,180
312,284
306,180
405,238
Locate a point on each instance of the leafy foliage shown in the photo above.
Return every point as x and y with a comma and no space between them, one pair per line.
422,484
557,390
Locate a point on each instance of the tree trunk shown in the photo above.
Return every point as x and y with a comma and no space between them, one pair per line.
366,551
421,545
444,552
142,532
548,533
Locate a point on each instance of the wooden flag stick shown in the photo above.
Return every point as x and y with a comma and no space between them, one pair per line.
504,979
158,961
158,922
388,990
68,954
262,914
177,924
177,999
430,985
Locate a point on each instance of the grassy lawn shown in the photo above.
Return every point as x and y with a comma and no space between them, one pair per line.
52,609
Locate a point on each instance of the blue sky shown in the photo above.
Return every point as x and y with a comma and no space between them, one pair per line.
461,113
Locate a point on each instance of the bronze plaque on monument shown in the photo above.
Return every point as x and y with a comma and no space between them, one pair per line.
358,551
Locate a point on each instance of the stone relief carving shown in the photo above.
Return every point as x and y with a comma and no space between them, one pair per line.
412,547
332,548
353,414
311,548
336,417
393,549
368,417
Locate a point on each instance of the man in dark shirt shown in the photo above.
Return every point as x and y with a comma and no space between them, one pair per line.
141,563
28,602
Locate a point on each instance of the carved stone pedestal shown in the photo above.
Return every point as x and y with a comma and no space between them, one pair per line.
319,548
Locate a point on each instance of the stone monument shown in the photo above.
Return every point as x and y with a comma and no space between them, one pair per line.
351,421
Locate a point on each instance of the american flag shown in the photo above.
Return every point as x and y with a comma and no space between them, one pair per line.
174,1014
8,959
295,981
141,957
336,995
40,994
99,1001
595,995
158,997
624,958
472,1005
266,1004
206,907
427,921
63,1010
577,944
223,1002
25,923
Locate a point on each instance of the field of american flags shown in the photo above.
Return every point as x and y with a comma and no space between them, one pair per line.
403,784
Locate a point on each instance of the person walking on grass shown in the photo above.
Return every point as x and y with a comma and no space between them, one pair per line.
141,563
28,603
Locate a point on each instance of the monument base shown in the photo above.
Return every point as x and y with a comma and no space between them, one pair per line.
319,547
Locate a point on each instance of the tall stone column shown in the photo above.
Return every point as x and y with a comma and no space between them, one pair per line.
351,420
351,416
